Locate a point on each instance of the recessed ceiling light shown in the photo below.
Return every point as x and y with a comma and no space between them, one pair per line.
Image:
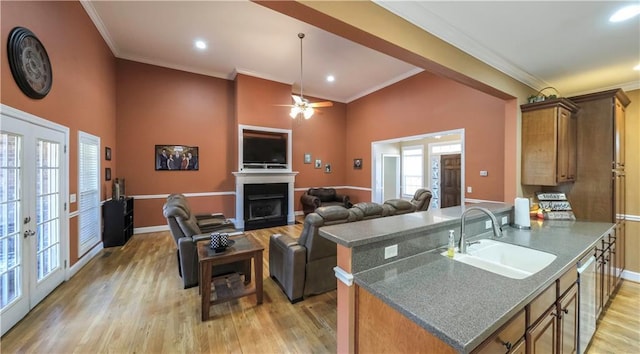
200,44
625,13
331,78
637,67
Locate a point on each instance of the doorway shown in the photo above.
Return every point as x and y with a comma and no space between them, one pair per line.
390,176
431,167
450,180
33,222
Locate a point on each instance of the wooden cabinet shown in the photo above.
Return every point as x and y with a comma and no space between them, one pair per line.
549,142
508,339
554,330
600,190
607,270
117,221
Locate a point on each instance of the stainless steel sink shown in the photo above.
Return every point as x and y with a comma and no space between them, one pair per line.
505,259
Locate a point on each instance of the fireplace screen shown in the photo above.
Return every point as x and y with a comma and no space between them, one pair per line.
265,207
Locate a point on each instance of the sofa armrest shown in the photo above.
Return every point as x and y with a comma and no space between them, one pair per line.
345,200
310,200
218,216
198,237
287,261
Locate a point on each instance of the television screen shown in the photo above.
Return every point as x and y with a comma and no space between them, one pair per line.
264,148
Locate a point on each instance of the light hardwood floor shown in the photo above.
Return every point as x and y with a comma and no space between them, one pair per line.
130,299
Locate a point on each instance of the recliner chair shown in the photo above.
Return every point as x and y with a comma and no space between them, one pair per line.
304,266
186,232
206,222
420,202
314,198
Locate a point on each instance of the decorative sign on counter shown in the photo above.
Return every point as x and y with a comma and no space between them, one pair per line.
554,206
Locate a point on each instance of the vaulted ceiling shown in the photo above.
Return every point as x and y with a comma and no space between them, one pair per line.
568,45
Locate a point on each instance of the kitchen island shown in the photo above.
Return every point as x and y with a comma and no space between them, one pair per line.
458,306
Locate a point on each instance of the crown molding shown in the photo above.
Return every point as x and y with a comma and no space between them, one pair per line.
385,84
97,21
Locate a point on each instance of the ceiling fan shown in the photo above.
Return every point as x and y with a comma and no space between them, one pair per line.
301,105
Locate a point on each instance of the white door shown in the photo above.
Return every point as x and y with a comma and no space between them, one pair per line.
32,173
390,177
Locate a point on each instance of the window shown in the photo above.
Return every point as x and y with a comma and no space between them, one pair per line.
88,192
412,171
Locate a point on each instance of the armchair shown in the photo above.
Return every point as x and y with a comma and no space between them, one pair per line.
206,222
304,266
314,198
186,233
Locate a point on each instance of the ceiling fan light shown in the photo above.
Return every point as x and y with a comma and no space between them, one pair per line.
295,110
308,112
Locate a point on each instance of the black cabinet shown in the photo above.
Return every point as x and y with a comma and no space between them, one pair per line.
117,221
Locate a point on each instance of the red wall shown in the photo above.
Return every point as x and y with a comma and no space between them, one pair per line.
82,96
426,103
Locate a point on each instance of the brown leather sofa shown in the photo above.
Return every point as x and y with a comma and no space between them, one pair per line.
304,266
184,228
420,202
314,198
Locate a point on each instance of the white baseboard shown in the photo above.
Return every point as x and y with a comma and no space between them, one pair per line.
144,230
83,261
631,276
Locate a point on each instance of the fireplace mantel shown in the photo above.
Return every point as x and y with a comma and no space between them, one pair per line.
263,176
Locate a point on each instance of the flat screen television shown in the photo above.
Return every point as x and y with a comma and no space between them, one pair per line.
264,148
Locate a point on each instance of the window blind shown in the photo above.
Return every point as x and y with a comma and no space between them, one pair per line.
88,192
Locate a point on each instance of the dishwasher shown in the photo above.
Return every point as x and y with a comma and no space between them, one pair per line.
586,300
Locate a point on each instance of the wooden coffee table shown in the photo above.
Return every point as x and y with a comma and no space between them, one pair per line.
229,287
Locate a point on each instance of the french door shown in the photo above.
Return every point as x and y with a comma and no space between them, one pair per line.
32,228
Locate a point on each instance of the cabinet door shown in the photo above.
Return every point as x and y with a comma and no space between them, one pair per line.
539,147
619,134
568,322
507,338
566,169
599,281
542,338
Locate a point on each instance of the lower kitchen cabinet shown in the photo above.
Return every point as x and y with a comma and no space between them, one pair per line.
508,339
556,330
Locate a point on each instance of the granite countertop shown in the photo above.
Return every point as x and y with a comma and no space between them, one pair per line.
374,230
463,305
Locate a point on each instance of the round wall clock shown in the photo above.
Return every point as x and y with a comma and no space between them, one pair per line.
29,63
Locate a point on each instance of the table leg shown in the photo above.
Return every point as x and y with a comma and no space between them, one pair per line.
205,286
257,260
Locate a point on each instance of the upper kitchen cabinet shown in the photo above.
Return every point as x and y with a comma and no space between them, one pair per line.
549,142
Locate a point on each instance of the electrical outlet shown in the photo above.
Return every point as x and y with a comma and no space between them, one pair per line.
390,251
505,220
469,189
487,224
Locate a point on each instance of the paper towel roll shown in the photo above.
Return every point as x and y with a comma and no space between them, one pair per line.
521,217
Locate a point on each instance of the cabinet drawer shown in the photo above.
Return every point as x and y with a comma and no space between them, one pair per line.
567,280
541,304
506,337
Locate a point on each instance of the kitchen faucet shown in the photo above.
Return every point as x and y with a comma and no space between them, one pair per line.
497,230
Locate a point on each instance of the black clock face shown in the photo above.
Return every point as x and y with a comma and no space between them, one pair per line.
29,63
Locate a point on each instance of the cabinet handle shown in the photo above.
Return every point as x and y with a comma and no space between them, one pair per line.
555,315
507,345
565,310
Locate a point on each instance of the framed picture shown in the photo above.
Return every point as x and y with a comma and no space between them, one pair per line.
357,164
177,158
307,158
327,168
318,164
107,153
107,174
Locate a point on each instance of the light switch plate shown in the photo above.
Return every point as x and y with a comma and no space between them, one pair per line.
484,173
390,251
72,198
469,189
487,224
505,220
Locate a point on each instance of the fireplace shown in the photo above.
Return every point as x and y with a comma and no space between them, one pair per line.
265,205
261,178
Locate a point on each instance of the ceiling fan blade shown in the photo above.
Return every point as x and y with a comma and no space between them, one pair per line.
321,104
